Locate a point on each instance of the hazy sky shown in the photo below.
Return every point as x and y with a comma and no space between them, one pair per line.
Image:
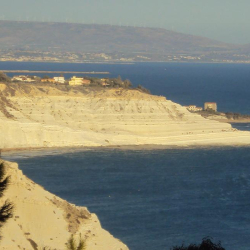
224,20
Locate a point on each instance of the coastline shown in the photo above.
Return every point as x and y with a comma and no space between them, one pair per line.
51,72
223,120
129,62
68,149
235,121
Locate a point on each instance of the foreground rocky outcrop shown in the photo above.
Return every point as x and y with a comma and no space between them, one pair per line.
55,116
42,219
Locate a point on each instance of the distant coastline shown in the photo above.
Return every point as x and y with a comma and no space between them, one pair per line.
75,62
38,42
125,63
47,71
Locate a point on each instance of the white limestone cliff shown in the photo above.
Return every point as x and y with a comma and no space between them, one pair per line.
58,116
42,220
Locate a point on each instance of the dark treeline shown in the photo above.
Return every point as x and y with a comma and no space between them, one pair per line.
110,82
206,244
6,210
236,116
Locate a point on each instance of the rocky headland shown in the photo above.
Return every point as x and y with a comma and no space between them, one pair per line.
44,221
40,115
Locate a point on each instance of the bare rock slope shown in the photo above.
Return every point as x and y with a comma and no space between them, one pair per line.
42,220
57,116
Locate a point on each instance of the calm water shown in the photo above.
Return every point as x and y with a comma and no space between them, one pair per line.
154,199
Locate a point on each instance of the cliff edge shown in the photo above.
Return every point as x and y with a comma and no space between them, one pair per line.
42,220
56,116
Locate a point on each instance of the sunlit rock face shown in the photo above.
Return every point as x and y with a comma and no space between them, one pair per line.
59,116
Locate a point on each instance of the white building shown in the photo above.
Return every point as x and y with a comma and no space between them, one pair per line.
23,78
59,79
193,108
18,78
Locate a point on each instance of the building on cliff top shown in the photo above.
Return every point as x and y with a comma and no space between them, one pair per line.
59,79
22,78
78,81
210,106
193,108
51,80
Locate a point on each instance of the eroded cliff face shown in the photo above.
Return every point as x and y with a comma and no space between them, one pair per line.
56,116
42,219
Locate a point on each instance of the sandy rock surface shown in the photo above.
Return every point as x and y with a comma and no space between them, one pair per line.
57,116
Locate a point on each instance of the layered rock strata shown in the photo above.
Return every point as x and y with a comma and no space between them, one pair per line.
42,220
55,116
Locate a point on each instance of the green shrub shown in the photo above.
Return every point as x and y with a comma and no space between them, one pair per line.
73,245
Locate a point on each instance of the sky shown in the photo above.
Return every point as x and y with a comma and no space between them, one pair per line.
222,20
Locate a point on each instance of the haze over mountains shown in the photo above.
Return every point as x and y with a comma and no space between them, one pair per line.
92,42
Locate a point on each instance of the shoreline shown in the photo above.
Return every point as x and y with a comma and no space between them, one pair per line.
233,121
61,150
240,121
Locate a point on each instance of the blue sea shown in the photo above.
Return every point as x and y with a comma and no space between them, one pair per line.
155,198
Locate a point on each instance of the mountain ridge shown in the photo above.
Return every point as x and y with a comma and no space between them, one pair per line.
89,32
93,42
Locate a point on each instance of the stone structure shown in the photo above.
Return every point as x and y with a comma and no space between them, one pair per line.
210,106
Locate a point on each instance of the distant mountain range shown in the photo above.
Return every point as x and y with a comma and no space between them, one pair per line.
92,42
